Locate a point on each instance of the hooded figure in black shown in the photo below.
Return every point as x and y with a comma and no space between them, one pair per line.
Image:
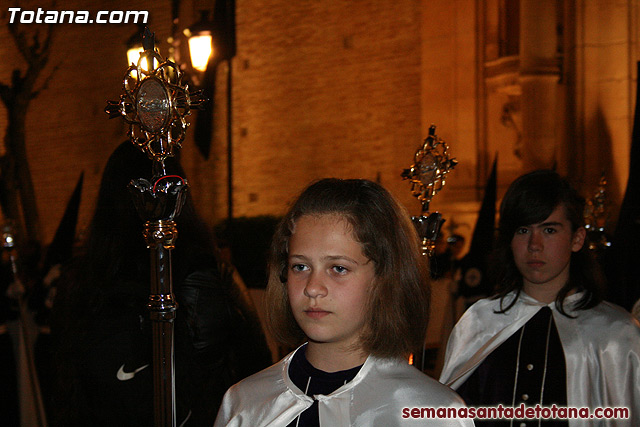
101,324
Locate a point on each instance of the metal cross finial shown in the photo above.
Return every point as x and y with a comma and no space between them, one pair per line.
427,176
155,103
428,173
596,214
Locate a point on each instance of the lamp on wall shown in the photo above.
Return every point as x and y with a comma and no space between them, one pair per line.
134,48
212,42
200,36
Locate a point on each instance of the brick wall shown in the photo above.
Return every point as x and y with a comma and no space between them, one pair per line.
319,89
323,89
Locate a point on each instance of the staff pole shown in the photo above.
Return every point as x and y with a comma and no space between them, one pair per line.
155,103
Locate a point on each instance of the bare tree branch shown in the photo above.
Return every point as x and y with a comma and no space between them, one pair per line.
36,51
45,84
21,42
16,177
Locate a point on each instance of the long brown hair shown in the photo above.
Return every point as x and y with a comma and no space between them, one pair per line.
398,305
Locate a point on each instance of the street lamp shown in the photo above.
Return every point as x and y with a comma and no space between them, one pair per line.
200,37
134,49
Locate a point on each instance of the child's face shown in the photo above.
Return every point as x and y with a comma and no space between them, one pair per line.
328,280
542,252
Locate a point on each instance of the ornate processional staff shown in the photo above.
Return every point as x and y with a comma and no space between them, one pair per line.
427,176
596,215
154,104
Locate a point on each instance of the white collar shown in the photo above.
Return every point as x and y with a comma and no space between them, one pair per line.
526,299
366,368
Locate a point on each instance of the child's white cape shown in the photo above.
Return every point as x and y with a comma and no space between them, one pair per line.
601,347
375,397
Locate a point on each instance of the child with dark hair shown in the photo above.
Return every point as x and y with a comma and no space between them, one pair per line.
349,286
547,337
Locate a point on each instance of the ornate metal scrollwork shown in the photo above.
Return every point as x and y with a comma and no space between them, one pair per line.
427,176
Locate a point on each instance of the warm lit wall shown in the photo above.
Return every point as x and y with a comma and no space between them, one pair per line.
320,89
602,51
339,88
323,89
450,91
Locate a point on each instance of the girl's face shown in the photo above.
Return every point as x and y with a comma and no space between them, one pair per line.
328,280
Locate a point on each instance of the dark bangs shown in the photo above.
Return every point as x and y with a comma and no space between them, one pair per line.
533,197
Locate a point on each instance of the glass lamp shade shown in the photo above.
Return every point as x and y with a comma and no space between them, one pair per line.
200,49
133,54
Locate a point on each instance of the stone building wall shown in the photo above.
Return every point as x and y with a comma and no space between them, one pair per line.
335,88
